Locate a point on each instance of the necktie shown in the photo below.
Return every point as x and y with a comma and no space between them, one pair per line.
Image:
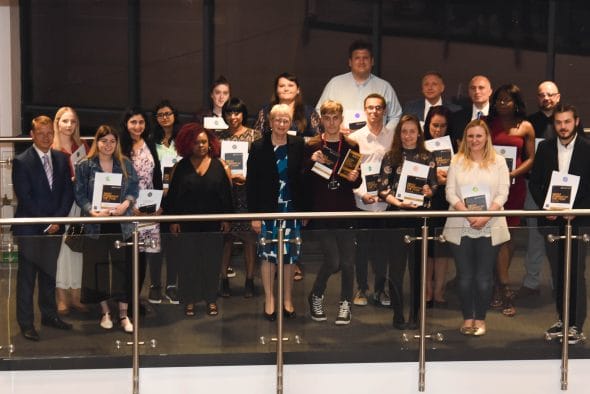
479,115
48,170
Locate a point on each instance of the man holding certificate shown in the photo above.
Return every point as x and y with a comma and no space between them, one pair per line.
407,181
568,154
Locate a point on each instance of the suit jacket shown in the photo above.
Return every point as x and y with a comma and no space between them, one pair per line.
416,107
262,183
458,122
546,162
35,197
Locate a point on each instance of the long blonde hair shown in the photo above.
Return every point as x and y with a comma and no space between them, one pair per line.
102,131
464,154
75,135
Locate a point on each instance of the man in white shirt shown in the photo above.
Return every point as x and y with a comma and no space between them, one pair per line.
350,89
567,152
374,140
480,91
433,87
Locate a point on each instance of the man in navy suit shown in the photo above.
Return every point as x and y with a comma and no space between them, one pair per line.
480,91
566,152
43,187
433,87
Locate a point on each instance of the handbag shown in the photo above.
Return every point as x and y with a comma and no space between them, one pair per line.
75,237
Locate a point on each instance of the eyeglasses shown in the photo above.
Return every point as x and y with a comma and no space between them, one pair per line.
548,95
161,115
504,101
374,108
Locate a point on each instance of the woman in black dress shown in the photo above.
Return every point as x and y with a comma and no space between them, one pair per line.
200,184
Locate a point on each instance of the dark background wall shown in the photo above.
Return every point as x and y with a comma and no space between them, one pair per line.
79,49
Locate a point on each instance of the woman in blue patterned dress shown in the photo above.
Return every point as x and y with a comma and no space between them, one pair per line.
274,185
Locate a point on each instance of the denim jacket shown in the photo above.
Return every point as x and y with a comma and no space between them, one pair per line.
84,186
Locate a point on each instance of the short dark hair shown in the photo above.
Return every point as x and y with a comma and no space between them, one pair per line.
377,96
235,104
360,45
561,108
433,73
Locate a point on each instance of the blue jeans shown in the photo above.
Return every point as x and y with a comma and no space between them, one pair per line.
535,254
475,259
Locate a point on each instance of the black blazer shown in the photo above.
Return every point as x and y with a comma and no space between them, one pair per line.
35,197
262,182
416,107
458,122
546,162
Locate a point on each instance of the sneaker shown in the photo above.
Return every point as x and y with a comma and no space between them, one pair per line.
230,273
382,298
555,330
172,295
344,314
126,324
575,336
316,308
360,298
105,321
155,295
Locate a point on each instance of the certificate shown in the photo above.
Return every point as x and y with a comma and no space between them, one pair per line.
214,123
537,140
325,169
167,163
370,176
235,154
562,191
78,155
355,120
412,179
351,162
149,200
476,197
442,148
107,190
508,153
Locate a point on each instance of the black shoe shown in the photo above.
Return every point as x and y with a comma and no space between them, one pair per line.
270,316
224,290
289,315
172,295
399,324
249,288
31,334
155,295
429,304
56,322
412,324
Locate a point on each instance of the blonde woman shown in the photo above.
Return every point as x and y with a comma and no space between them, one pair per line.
66,138
478,178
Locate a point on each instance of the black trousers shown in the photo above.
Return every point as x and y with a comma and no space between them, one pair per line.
37,261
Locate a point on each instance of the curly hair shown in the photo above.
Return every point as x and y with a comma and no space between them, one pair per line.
185,140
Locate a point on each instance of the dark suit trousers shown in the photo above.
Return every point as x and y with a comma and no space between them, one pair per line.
37,260
555,254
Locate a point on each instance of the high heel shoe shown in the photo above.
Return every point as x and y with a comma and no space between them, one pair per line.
289,315
269,316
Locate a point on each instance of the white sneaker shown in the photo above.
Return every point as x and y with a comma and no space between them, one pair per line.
105,321
126,324
344,314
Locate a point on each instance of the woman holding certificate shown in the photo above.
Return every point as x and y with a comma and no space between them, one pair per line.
68,280
509,129
142,152
274,185
238,135
407,181
106,185
478,179
200,184
330,182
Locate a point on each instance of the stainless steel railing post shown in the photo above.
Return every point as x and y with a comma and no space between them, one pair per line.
135,301
422,345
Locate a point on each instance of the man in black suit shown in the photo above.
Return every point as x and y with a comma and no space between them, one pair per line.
480,90
433,87
566,152
43,187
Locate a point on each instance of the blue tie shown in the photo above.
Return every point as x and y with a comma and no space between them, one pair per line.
479,115
48,170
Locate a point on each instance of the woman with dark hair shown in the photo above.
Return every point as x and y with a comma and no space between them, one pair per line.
305,120
200,184
274,185
166,127
235,114
407,145
140,148
219,93
508,127
436,125
106,271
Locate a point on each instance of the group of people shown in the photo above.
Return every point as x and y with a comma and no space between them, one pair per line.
295,163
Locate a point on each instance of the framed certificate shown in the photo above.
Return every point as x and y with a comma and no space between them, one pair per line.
412,179
214,123
351,162
508,153
149,200
107,190
167,163
442,148
78,155
235,154
355,120
562,191
370,176
476,197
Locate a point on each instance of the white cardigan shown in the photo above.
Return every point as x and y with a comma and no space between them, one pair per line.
496,177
